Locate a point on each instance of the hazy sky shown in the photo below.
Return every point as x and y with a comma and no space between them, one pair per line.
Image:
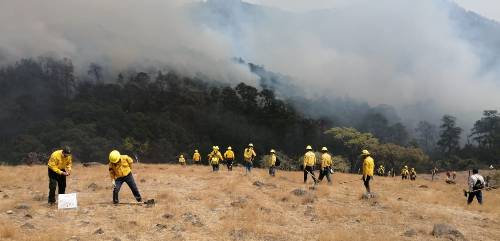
487,8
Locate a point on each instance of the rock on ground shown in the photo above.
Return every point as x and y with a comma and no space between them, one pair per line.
447,231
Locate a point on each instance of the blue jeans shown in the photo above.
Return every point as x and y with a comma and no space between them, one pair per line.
129,179
478,194
248,166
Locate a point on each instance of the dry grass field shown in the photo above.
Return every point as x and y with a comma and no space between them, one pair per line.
195,204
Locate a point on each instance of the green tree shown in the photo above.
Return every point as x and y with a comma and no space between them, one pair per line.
353,142
449,140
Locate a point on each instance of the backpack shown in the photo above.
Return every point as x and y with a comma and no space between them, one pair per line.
278,162
478,185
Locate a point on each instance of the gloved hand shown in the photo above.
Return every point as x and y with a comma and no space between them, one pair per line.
113,184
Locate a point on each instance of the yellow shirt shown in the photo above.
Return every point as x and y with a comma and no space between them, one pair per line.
214,157
196,157
229,154
309,159
249,154
182,160
368,166
272,160
57,162
122,168
326,160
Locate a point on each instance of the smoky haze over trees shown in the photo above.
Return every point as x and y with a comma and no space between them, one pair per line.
227,72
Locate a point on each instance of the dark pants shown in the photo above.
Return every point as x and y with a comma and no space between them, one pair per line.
325,173
215,167
478,194
308,169
229,164
272,171
56,180
366,182
129,179
248,166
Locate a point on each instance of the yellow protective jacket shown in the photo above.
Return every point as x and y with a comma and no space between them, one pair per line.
122,168
196,157
229,155
249,154
57,162
405,171
214,157
309,159
368,166
326,160
272,160
182,160
413,172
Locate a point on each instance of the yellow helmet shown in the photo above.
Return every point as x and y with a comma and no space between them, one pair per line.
406,166
229,148
250,145
182,156
216,147
272,151
324,148
213,147
309,147
114,156
196,151
365,152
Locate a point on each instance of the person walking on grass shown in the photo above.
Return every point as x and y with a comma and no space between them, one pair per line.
229,157
214,158
368,168
120,171
273,162
326,165
59,167
248,157
308,165
476,185
196,157
182,160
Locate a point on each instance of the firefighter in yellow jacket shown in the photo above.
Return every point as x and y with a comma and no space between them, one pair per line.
214,158
196,157
273,161
326,165
59,167
368,168
182,160
120,171
309,162
248,156
229,158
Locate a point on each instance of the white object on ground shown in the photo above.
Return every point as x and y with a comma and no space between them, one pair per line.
67,201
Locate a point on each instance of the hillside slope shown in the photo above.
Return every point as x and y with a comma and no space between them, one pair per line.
195,204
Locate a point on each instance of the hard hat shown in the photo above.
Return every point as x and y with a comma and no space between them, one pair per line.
66,150
229,148
114,156
365,152
196,151
406,166
309,147
213,147
250,145
216,147
182,156
272,151
324,148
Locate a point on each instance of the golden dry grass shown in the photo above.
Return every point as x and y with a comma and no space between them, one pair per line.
195,204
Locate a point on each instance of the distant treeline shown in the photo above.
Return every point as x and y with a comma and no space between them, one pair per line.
158,116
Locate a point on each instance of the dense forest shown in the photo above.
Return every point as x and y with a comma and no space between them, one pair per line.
157,116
